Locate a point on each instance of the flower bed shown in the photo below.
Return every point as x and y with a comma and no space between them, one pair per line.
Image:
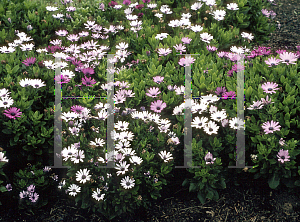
148,143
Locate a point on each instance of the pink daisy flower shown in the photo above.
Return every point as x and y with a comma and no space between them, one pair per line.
186,40
158,106
269,87
288,58
283,155
270,127
272,62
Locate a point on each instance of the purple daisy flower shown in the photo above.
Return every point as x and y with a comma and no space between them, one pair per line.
220,91
77,109
158,106
88,81
29,61
126,2
12,113
88,71
230,94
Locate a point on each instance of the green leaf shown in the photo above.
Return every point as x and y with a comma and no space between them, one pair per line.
193,187
274,181
201,197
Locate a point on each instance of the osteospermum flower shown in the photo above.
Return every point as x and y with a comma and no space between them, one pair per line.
270,127
78,156
98,142
2,157
153,92
211,128
158,106
6,102
199,123
272,62
122,168
283,156
88,81
74,189
158,79
12,113
186,40
288,58
122,125
83,175
233,6
165,156
209,159
97,195
29,61
236,123
164,52
127,182
269,87
205,37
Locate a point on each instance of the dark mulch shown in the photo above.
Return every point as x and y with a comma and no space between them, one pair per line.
253,200
288,35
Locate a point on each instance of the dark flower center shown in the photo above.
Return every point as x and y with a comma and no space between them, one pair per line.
255,107
236,124
5,103
36,85
26,85
158,108
74,190
286,60
83,176
121,126
269,89
122,168
13,114
271,128
69,153
78,157
199,124
210,129
218,117
127,183
283,157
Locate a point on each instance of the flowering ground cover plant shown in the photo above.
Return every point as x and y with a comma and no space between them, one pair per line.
153,39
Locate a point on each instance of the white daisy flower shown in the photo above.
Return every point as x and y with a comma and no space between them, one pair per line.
68,152
78,156
236,123
211,128
83,175
128,151
136,160
199,123
74,189
97,195
219,115
165,156
98,142
122,167
127,183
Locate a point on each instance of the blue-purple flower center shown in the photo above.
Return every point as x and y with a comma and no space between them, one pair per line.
269,89
271,128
